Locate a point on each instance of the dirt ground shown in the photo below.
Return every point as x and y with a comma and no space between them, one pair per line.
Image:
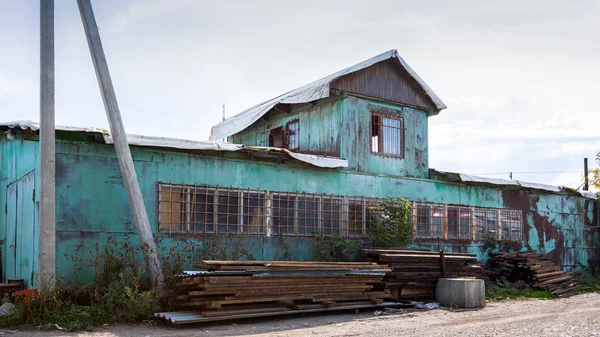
575,316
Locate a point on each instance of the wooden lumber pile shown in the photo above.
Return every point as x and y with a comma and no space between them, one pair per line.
414,273
536,270
230,288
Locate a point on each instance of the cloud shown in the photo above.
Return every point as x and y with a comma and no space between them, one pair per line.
140,10
16,86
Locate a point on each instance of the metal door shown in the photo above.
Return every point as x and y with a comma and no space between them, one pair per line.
9,254
19,253
3,210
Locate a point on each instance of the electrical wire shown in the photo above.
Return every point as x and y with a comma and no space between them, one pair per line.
532,172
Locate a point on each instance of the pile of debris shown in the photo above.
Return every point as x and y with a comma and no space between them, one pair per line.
534,269
236,289
414,273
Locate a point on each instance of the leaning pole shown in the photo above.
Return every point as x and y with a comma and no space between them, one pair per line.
119,136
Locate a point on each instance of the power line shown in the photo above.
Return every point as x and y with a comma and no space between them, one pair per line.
532,172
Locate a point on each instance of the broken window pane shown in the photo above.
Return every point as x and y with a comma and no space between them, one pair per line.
253,212
276,137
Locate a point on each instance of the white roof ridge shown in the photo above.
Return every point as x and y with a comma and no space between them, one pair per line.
312,92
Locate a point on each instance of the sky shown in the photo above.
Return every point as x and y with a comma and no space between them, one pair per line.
520,78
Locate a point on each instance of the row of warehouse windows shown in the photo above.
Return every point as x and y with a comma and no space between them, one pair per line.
217,210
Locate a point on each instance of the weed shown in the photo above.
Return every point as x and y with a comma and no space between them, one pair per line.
53,309
501,245
589,284
110,283
333,247
517,290
392,227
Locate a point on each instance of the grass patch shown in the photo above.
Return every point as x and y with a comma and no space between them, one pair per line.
507,290
58,309
589,284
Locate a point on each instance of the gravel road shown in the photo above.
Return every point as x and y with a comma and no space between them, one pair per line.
575,316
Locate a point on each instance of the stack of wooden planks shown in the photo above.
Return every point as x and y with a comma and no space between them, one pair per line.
536,270
230,288
414,273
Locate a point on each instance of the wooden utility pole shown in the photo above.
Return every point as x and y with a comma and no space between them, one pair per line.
119,136
47,215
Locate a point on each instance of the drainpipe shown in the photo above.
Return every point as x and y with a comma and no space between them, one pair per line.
47,210
117,131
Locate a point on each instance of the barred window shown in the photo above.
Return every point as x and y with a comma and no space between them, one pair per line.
288,137
433,221
512,224
429,221
459,222
292,133
486,223
284,213
362,213
387,135
217,210
308,215
188,209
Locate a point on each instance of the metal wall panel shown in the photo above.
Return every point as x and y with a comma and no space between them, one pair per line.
386,81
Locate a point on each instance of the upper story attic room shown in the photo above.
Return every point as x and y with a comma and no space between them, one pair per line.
373,114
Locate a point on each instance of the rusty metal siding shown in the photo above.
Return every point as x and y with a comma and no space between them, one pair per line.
386,81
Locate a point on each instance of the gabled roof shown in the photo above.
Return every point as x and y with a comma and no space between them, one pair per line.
311,92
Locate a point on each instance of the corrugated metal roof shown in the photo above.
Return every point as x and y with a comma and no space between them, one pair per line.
549,188
174,143
311,92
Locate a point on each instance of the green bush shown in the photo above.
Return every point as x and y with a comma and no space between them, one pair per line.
334,248
118,293
392,227
53,310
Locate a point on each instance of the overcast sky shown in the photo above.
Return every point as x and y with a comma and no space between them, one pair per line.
521,79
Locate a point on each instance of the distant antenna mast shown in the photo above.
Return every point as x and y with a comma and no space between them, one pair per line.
224,139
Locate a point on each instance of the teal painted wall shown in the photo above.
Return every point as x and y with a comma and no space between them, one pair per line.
341,127
356,149
19,202
92,203
319,127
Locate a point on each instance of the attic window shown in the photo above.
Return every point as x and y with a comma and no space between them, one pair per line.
288,138
387,135
276,137
292,133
